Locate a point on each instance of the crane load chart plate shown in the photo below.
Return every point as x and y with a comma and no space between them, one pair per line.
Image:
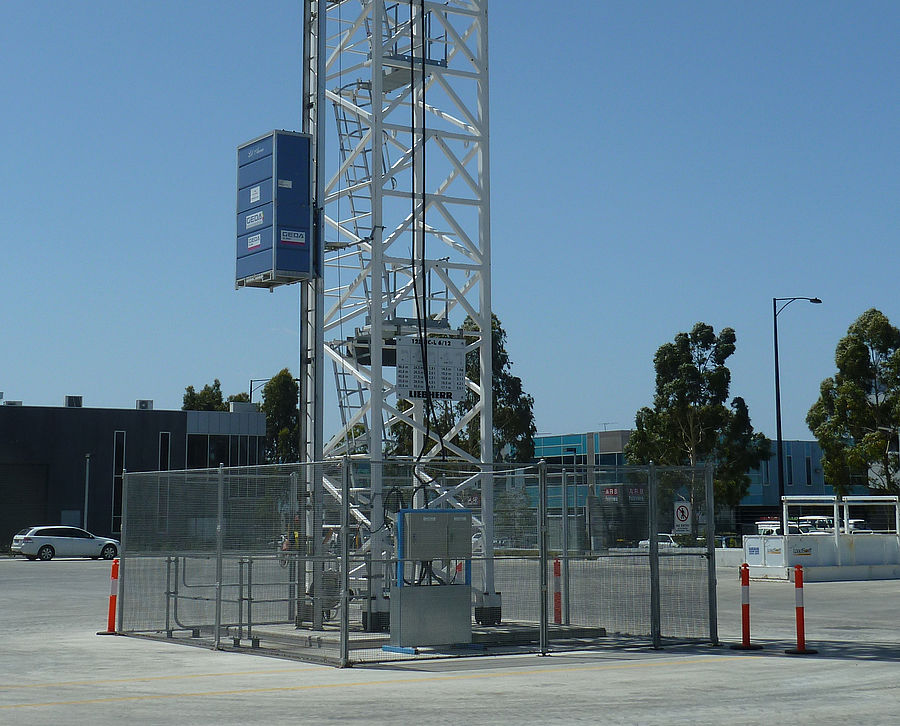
446,369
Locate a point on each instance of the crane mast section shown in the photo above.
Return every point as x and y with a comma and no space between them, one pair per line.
406,205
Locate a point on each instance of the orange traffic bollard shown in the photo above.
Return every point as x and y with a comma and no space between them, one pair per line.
801,648
745,612
557,593
113,596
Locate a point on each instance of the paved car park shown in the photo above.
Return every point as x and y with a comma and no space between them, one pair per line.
54,668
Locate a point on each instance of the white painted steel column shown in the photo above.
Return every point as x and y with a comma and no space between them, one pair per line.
379,548
492,598
345,562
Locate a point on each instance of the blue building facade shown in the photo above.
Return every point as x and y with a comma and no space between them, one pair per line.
803,475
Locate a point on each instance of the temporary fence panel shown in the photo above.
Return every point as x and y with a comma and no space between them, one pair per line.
286,558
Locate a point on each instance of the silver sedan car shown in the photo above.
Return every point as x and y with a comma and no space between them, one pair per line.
49,541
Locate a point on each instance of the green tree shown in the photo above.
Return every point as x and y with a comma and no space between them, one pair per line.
858,410
280,405
208,399
513,409
690,422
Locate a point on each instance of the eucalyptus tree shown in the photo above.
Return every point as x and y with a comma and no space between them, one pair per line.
857,415
691,421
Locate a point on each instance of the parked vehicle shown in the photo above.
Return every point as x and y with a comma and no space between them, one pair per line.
47,541
817,523
773,527
663,539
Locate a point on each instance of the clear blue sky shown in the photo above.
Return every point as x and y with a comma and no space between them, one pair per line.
653,164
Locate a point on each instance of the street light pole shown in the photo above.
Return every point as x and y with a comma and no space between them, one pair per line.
776,310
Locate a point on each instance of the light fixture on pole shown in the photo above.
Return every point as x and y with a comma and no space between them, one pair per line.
776,310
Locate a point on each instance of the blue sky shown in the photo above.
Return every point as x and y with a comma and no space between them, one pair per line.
653,164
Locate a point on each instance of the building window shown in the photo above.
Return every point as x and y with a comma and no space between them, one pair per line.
197,451
164,450
808,472
790,470
765,472
218,450
118,472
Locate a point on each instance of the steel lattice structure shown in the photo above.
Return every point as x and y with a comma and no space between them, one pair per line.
396,99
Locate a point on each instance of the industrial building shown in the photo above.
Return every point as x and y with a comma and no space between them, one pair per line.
64,464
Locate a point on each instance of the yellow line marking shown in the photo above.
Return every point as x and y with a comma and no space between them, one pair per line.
384,682
12,686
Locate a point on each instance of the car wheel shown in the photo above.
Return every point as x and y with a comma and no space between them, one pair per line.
108,552
45,553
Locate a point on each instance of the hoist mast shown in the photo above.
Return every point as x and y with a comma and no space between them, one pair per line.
396,100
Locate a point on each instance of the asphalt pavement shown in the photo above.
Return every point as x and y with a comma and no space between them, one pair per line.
55,669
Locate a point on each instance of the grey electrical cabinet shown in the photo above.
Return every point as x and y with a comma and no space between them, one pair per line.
437,534
459,536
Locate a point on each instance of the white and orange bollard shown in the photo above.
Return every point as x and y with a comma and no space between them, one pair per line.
113,596
801,648
557,592
745,612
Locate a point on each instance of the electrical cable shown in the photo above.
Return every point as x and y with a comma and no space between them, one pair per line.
421,304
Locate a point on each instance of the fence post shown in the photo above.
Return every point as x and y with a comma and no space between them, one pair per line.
123,526
169,596
254,642
295,533
711,555
565,547
801,648
240,603
655,629
345,562
219,542
318,509
542,551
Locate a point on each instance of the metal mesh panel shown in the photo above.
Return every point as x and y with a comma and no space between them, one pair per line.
299,559
684,568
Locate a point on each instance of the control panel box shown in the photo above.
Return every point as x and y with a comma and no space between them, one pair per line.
435,534
275,231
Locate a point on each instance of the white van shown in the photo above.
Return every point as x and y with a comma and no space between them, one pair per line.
772,527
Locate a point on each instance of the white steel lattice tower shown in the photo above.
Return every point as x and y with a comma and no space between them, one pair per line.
396,98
